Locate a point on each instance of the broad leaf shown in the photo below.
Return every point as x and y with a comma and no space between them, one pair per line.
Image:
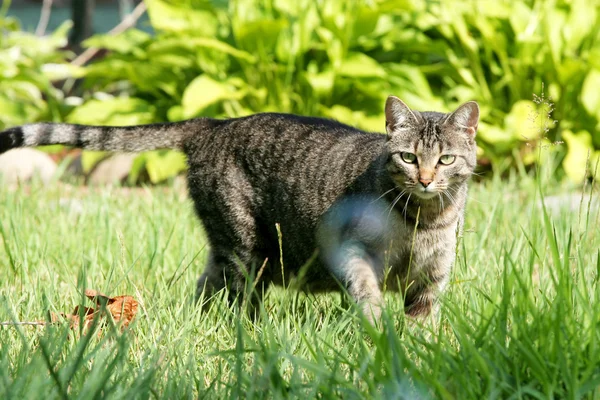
579,151
525,121
170,18
590,93
164,164
359,65
117,111
205,91
89,159
127,42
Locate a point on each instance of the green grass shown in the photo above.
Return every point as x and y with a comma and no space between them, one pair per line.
519,320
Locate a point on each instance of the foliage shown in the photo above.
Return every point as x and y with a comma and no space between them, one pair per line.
519,319
340,59
28,66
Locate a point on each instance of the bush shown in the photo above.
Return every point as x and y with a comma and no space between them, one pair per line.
28,66
340,59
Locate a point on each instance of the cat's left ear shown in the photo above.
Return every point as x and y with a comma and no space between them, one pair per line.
466,118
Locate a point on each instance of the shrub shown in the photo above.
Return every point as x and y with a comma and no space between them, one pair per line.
340,59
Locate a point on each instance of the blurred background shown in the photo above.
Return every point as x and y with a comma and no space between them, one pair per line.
533,66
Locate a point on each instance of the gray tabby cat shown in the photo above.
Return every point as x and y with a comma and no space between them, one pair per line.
248,175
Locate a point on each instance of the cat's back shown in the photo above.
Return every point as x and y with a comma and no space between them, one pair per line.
279,126
282,160
270,141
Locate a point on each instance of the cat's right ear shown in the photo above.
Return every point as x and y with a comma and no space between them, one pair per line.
398,115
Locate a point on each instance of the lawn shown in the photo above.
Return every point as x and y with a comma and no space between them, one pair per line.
520,318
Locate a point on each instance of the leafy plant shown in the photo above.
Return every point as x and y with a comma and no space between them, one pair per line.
340,59
28,66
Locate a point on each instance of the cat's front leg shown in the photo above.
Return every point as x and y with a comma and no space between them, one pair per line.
361,277
421,296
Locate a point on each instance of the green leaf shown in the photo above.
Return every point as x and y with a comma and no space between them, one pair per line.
55,71
16,113
359,65
590,93
259,36
519,18
89,159
373,123
117,111
581,23
223,47
321,82
579,151
500,139
179,45
145,76
365,22
21,90
138,166
59,37
164,164
386,6
205,91
124,43
171,18
555,18
525,121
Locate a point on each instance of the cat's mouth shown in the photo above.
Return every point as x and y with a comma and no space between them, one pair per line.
425,193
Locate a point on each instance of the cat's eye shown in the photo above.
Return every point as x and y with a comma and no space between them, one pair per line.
408,157
447,159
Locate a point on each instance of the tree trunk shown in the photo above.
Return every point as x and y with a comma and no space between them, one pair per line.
81,11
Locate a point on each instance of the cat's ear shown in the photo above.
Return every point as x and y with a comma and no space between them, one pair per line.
398,115
466,118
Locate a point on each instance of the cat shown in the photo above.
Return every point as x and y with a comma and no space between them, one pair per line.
275,187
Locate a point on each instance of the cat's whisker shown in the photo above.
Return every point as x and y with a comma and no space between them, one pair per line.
386,192
451,198
396,200
441,202
405,205
455,189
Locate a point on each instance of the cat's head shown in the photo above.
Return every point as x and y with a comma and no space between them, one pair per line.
430,152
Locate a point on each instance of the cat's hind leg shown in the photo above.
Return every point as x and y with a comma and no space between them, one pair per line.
235,272
212,280
225,207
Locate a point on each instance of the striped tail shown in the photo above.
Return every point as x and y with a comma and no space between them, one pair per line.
109,138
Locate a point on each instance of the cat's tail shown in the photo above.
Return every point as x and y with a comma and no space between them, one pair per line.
108,138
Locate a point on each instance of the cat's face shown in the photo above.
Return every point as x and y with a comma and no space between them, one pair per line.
430,152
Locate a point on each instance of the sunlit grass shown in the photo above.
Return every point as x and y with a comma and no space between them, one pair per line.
520,317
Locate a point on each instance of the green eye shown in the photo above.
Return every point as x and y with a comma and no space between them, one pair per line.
408,157
447,159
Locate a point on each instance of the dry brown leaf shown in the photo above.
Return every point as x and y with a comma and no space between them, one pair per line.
121,308
96,296
73,318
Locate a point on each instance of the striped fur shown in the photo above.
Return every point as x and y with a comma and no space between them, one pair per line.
108,138
311,182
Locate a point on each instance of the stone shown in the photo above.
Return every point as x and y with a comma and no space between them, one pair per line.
21,165
573,203
112,170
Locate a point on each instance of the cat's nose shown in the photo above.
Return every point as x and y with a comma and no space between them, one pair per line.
425,181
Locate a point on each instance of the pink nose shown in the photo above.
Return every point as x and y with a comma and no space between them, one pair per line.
425,181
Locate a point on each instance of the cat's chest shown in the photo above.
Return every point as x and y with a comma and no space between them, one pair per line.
419,247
